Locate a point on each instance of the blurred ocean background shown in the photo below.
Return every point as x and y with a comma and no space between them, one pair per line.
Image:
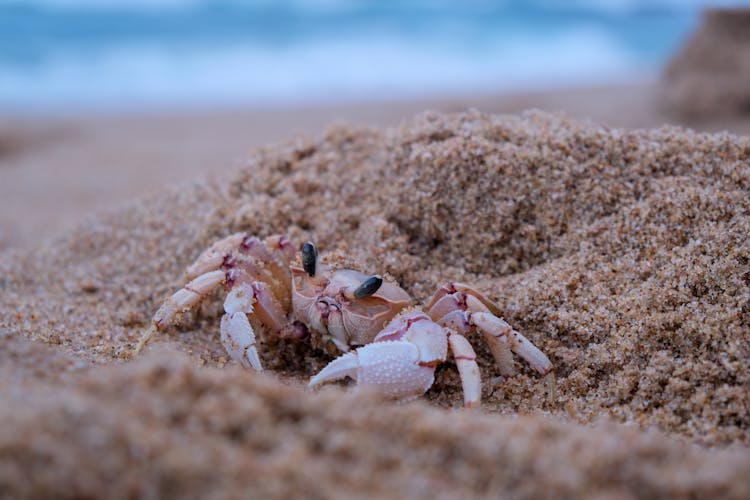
57,54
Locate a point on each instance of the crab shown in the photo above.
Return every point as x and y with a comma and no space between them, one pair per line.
387,344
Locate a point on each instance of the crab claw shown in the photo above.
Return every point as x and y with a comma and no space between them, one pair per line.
389,367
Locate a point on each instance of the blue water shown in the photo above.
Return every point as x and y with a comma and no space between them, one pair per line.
120,53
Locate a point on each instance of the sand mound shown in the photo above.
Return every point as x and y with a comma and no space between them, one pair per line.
163,427
623,255
710,75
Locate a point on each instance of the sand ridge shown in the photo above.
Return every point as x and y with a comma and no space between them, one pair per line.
622,254
162,427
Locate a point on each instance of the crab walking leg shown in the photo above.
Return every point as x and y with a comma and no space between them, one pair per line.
536,358
503,333
495,332
454,287
238,339
501,336
237,334
183,300
266,307
390,367
468,370
458,307
492,328
213,257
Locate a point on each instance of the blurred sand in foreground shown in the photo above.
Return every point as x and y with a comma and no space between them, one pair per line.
55,171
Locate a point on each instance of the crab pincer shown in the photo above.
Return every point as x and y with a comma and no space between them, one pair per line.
401,360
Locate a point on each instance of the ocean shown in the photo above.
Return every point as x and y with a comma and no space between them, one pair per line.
57,54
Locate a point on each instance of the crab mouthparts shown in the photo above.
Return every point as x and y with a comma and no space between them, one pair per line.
325,308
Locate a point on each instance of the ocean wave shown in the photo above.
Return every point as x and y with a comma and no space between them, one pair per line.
614,6
324,71
57,53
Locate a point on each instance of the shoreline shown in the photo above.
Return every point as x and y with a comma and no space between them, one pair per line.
57,170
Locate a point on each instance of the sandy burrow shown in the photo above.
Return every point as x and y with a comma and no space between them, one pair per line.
622,254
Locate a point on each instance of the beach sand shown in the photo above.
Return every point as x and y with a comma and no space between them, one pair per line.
54,171
621,253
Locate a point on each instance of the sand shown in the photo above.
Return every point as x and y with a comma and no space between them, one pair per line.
56,170
622,254
710,75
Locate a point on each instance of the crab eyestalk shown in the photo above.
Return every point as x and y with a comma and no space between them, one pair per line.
309,258
368,287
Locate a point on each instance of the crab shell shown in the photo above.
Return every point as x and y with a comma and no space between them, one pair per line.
326,304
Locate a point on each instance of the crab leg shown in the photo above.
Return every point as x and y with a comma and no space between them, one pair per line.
454,287
237,334
213,258
268,261
500,336
468,370
255,299
459,307
238,339
495,332
182,300
535,357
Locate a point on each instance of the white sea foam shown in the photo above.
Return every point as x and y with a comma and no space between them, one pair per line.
325,70
615,6
177,52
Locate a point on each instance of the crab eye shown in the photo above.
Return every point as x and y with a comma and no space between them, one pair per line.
309,258
368,287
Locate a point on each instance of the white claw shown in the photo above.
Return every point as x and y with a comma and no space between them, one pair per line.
391,368
239,340
345,365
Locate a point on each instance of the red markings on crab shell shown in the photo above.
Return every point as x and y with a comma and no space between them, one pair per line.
229,261
287,247
451,291
248,242
460,300
465,358
448,304
254,247
457,320
399,326
188,289
231,277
